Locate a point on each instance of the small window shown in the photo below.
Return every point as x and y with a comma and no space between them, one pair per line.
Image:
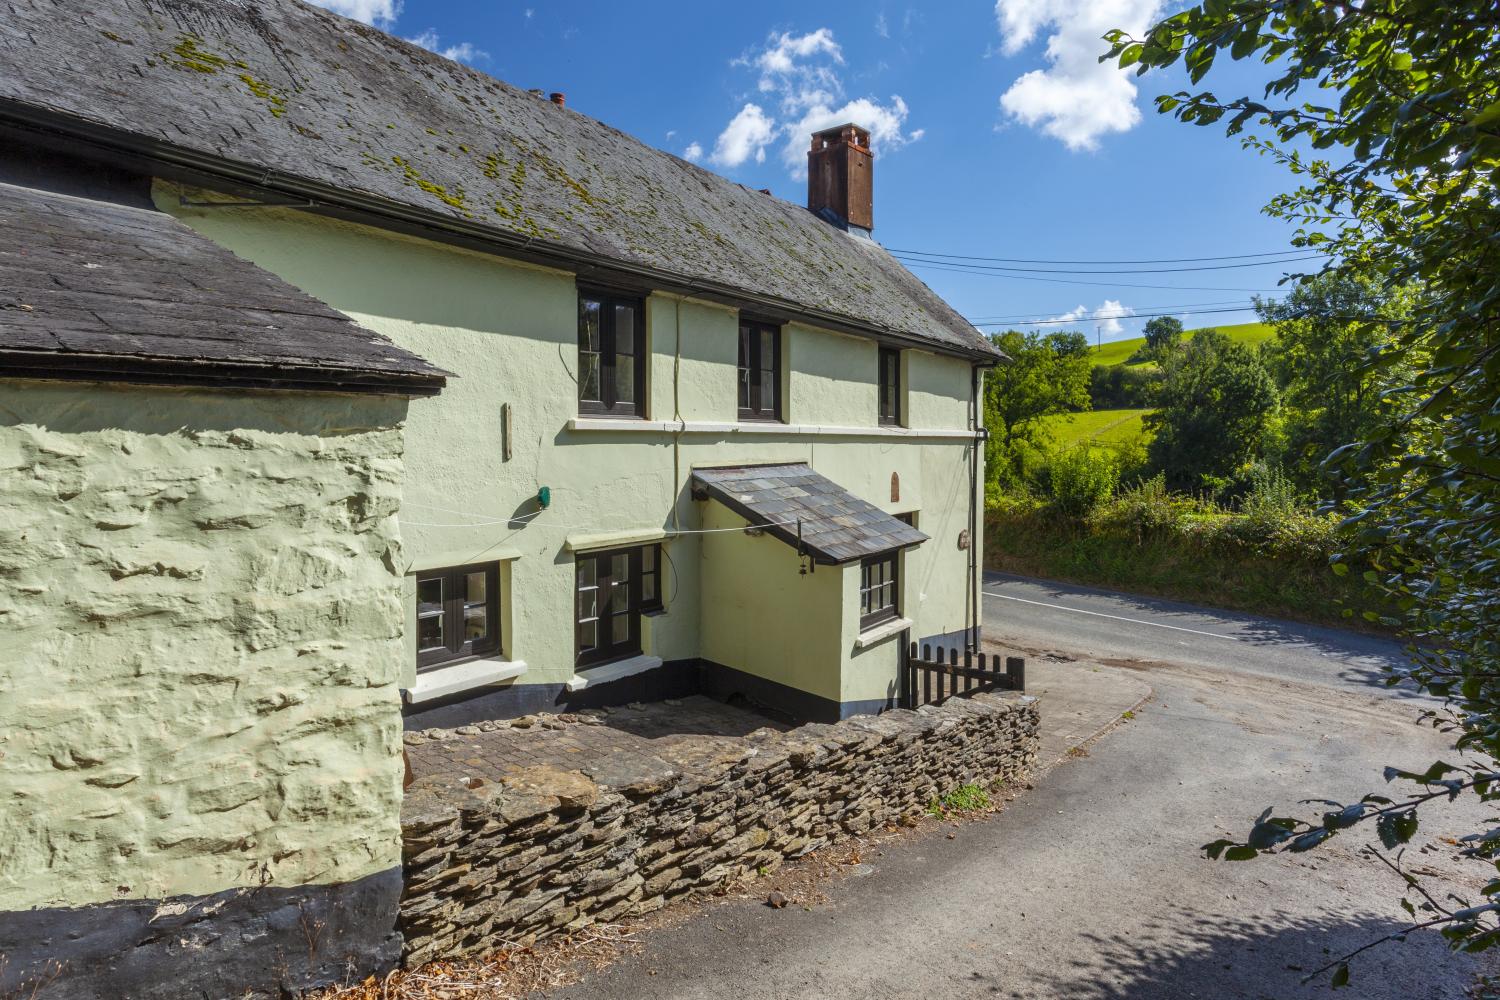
879,599
890,386
611,364
458,613
614,587
760,371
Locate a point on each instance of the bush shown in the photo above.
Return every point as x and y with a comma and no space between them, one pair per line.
1080,479
1124,387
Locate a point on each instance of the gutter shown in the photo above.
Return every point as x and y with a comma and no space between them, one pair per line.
54,366
146,155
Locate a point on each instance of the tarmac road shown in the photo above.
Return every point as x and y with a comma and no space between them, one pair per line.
1092,885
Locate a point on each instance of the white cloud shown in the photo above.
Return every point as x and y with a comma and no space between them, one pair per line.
463,52
693,153
530,13
1076,99
381,13
744,137
802,74
881,27
1107,316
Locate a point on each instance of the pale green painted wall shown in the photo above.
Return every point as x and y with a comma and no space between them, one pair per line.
200,639
762,615
509,332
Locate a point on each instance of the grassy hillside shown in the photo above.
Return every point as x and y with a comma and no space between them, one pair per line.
1119,352
1096,426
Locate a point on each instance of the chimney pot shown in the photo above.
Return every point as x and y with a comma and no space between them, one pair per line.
559,99
840,176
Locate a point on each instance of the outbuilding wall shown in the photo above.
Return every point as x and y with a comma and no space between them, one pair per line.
200,650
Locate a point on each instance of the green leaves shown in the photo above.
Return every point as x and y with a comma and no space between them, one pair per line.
1403,197
1395,829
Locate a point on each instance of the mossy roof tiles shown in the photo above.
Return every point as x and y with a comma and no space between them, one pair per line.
94,285
286,90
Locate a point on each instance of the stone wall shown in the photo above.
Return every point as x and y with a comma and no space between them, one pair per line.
200,643
548,850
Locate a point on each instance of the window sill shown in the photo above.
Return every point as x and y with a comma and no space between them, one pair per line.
882,632
606,672
612,539
459,677
751,428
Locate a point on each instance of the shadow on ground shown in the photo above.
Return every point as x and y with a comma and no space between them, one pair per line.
1230,958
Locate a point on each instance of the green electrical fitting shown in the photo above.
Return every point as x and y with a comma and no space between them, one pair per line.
544,497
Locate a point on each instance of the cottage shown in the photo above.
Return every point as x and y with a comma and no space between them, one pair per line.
347,388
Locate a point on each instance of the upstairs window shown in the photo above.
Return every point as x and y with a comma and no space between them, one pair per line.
611,366
879,590
458,613
613,589
760,371
890,386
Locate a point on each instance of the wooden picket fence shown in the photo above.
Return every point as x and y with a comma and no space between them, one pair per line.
929,676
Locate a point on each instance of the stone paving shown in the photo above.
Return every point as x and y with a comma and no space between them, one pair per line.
489,750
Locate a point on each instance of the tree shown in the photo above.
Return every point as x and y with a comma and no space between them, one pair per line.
1044,375
1162,334
1407,95
1330,397
1215,402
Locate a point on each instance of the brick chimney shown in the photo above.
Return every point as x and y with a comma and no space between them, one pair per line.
841,177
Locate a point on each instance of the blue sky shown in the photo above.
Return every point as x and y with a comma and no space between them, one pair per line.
997,133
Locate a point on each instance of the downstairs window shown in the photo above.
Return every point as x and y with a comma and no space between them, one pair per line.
458,613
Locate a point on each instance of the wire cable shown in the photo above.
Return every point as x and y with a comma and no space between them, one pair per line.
1161,260
1127,270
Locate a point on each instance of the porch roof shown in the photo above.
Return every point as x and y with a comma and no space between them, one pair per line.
836,526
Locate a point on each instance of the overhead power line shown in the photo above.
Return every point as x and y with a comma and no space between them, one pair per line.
1123,270
953,268
1050,314
1162,260
1081,320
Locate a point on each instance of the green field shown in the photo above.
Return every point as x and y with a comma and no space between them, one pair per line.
1120,352
1096,426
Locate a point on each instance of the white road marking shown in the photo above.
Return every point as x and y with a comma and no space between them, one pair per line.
1118,618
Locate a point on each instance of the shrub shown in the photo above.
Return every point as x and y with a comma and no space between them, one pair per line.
1081,479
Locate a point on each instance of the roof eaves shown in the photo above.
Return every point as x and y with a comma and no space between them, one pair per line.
181,163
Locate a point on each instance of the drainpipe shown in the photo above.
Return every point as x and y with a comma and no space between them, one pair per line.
976,423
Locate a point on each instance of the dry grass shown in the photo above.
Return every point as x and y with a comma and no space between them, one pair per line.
507,975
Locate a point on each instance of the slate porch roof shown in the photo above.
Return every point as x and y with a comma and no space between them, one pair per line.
99,290
837,526
296,100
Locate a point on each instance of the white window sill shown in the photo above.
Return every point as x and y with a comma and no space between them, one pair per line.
611,539
606,672
445,681
758,428
882,632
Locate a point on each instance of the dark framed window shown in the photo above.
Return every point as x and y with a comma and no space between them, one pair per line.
458,613
613,589
760,371
611,354
890,386
879,590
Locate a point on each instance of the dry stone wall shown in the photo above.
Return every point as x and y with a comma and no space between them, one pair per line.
547,850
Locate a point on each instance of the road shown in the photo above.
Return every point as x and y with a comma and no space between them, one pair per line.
1091,885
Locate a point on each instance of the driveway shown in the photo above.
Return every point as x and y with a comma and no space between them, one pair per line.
1092,885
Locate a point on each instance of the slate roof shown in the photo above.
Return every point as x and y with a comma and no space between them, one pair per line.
837,526
99,289
301,99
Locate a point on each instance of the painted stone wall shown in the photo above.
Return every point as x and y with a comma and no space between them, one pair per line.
510,332
548,850
200,643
